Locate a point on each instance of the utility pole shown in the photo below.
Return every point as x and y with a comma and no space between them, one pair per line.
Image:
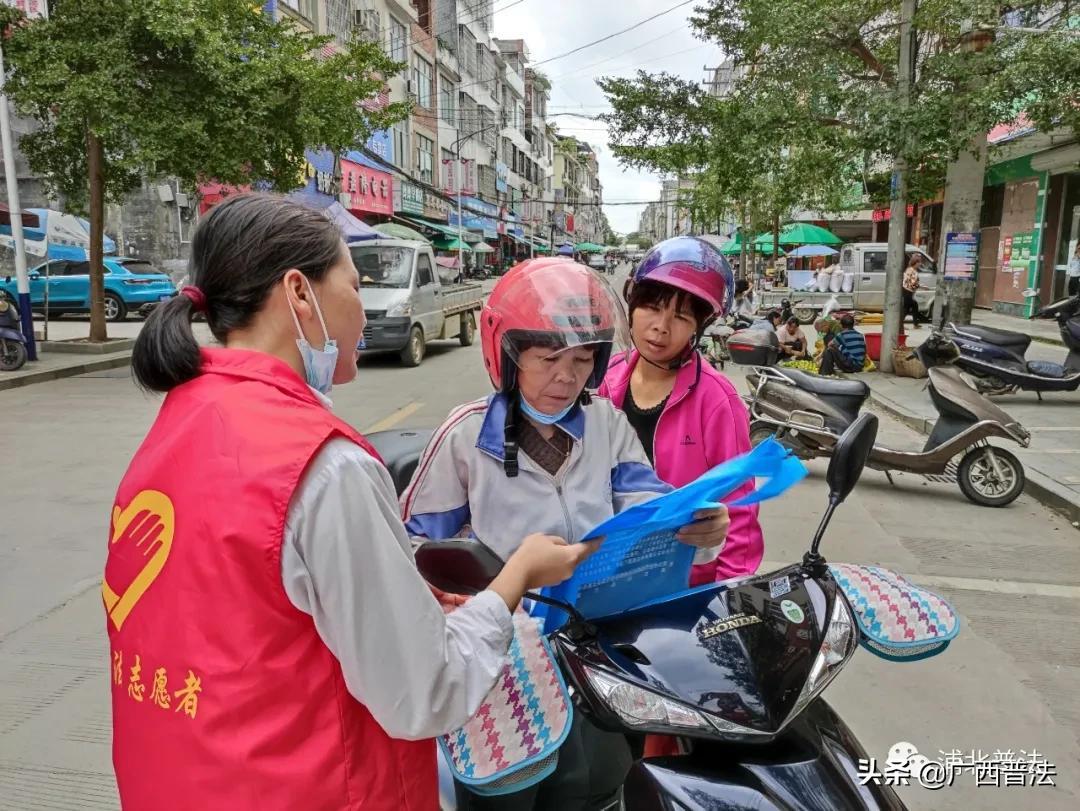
894,268
26,315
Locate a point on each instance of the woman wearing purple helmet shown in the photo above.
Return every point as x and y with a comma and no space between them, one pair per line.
688,415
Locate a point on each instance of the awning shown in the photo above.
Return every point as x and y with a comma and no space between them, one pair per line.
446,230
29,220
450,244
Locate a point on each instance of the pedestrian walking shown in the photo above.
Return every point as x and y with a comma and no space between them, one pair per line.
910,286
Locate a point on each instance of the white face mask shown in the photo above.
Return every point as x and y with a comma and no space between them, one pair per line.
319,364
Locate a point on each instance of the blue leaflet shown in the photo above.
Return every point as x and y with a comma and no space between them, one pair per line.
640,558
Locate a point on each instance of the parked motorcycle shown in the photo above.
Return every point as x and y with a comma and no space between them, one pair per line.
12,341
733,671
996,356
809,414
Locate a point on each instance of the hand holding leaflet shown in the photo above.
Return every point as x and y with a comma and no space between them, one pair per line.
641,559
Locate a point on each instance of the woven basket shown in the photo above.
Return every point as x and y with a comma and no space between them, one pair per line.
903,366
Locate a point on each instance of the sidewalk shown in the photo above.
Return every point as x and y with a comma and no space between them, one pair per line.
1040,329
1052,463
55,365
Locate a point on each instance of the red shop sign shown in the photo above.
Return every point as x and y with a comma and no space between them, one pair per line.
368,190
884,214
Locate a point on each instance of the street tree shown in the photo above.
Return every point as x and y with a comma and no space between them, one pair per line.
196,89
831,65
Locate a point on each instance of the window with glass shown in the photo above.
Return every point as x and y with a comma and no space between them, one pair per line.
425,158
399,41
447,107
422,74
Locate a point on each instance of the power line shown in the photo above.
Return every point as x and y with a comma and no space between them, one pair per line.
623,53
613,35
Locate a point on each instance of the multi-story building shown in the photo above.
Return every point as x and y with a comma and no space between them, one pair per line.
474,100
578,189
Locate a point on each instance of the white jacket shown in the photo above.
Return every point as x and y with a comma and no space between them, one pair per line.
460,487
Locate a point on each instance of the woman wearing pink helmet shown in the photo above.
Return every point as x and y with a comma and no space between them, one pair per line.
687,415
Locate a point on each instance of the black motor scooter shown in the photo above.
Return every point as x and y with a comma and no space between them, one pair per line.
995,357
733,671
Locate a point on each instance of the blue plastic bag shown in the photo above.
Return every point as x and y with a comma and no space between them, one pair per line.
641,559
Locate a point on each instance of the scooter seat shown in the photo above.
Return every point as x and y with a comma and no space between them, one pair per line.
1016,341
827,386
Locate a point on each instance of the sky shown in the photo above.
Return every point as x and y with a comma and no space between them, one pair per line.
552,27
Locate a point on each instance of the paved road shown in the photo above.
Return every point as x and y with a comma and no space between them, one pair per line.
1008,682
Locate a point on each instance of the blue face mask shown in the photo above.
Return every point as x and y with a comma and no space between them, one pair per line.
319,364
540,416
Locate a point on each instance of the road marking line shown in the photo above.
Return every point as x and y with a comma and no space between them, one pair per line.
1055,428
1001,586
396,417
974,584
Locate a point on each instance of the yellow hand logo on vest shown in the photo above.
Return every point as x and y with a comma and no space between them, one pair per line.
141,538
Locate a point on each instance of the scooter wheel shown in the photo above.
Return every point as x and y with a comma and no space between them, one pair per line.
981,482
759,432
12,355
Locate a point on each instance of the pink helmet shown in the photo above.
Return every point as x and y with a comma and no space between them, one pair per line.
691,265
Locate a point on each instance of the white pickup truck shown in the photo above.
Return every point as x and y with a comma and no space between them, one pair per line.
866,262
406,303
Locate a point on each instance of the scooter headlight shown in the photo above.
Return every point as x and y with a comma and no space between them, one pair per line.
837,647
639,708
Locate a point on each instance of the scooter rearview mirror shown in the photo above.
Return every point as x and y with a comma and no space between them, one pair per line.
846,466
849,458
458,566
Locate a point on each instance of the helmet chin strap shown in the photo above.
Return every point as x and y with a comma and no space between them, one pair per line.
675,363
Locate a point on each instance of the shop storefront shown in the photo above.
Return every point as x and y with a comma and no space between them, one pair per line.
366,192
1014,213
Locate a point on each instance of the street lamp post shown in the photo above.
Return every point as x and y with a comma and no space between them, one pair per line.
457,151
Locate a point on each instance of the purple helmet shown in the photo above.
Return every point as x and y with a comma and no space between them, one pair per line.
692,265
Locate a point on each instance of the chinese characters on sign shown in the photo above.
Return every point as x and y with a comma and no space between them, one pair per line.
961,256
1000,768
31,8
185,699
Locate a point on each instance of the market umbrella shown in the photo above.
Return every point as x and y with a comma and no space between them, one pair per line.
566,249
588,247
449,244
731,248
763,243
399,231
54,234
804,233
814,250
482,247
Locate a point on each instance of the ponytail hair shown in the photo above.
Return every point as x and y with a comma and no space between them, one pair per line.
166,353
239,252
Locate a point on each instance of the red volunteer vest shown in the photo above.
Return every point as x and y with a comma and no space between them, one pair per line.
223,694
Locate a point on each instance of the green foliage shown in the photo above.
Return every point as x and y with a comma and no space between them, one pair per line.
815,109
198,89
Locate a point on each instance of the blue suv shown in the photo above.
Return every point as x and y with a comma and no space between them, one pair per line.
131,285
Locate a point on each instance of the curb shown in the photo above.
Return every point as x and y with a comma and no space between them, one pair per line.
1037,485
45,375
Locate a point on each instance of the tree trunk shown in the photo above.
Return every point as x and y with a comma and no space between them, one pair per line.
775,246
744,253
95,155
961,211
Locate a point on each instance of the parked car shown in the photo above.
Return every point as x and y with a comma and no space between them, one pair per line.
866,262
63,286
406,303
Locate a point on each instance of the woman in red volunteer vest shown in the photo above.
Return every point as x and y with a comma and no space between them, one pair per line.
272,643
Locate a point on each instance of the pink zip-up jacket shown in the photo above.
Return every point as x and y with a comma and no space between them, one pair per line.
703,424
